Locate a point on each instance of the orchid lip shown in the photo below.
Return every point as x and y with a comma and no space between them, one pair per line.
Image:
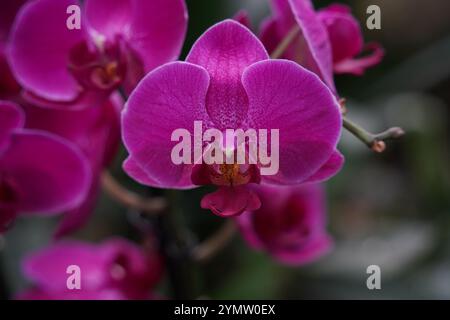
100,66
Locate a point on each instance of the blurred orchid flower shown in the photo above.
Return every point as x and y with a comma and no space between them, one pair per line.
229,82
40,173
328,40
118,42
113,270
290,225
347,43
96,132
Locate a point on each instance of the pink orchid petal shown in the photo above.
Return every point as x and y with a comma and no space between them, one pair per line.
109,18
168,98
43,183
290,225
225,50
115,264
40,29
285,96
132,168
344,31
47,268
143,268
11,117
329,169
156,40
357,66
231,201
317,41
159,39
96,132
84,99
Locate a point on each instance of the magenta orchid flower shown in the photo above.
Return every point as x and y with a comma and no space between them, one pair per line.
118,42
113,270
229,82
96,132
290,225
40,173
347,43
329,39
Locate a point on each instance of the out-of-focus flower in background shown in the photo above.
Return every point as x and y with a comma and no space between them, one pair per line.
40,173
229,82
347,42
96,131
324,41
116,269
117,43
290,225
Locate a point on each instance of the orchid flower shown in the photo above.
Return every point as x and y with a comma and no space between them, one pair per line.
115,269
118,42
229,82
290,225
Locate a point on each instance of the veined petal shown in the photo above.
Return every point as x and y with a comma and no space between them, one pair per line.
317,41
285,96
329,169
225,50
169,98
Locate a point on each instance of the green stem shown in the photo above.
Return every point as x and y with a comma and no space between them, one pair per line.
373,141
284,44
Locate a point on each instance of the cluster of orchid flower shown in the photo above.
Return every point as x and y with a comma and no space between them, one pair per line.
68,96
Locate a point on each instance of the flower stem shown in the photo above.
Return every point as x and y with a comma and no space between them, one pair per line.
130,199
284,44
376,142
210,247
176,246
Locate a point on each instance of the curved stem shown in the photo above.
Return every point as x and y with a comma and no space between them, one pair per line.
376,142
207,249
284,44
130,199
